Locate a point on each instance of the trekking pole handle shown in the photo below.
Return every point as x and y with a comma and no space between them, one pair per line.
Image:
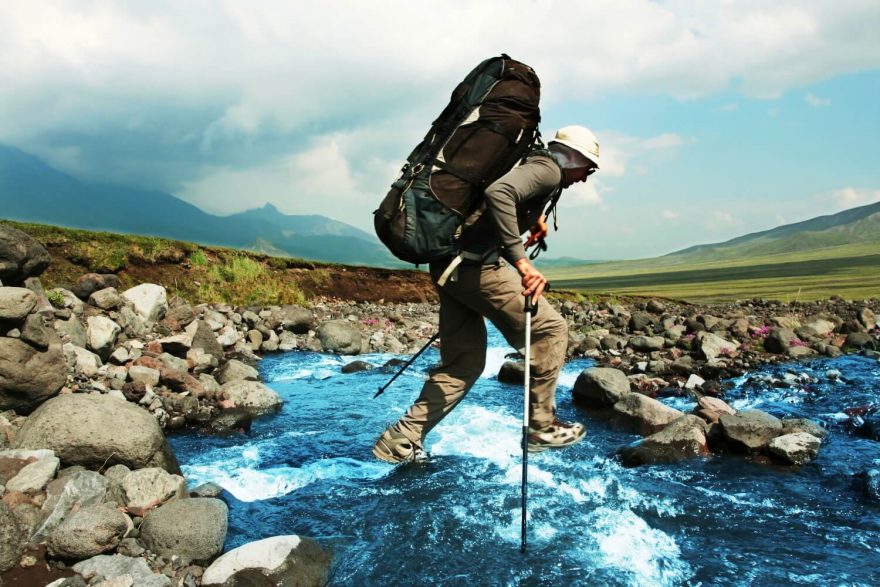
531,306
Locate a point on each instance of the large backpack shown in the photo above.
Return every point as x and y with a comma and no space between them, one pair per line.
490,123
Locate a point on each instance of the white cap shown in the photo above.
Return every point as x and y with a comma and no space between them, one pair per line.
581,139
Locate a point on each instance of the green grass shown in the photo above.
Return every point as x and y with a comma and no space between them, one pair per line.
851,271
243,280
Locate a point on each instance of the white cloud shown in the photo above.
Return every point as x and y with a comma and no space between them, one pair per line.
670,214
235,103
851,197
815,101
723,221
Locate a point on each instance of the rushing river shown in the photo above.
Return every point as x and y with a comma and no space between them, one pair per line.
456,520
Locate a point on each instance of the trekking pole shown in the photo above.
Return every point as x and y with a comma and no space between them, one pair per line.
407,364
531,309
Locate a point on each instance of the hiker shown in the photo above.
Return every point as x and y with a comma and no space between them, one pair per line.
480,284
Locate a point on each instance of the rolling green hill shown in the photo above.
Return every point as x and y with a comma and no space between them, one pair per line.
829,255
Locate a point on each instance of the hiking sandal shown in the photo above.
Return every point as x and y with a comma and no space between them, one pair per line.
395,448
558,434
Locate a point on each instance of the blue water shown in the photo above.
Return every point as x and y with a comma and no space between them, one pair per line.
721,520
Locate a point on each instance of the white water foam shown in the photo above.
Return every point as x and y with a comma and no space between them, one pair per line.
250,484
627,543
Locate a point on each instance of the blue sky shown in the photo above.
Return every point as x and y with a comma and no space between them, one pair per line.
715,118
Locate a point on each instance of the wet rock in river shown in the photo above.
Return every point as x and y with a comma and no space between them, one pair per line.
750,430
682,439
601,385
797,448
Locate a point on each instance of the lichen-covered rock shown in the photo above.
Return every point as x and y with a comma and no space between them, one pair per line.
193,529
12,538
97,431
89,531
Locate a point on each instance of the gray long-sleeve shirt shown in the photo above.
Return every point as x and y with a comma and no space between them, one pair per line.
513,204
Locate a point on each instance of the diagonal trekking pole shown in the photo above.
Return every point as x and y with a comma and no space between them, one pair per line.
531,309
406,366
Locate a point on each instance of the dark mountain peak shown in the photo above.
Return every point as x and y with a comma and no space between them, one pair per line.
33,191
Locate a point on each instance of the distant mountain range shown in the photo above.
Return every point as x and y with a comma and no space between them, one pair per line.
32,191
859,225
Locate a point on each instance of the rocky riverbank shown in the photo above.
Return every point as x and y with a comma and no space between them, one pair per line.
92,377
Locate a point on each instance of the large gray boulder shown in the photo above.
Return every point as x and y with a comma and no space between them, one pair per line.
750,429
798,448
193,529
28,375
89,531
251,395
337,336
16,302
12,538
602,386
20,256
296,319
113,566
283,560
684,438
97,431
646,413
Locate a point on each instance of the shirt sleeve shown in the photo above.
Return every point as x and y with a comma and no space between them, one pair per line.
521,188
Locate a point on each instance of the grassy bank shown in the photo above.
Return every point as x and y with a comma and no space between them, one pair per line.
850,271
213,274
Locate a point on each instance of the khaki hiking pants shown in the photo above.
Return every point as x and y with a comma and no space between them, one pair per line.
493,292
